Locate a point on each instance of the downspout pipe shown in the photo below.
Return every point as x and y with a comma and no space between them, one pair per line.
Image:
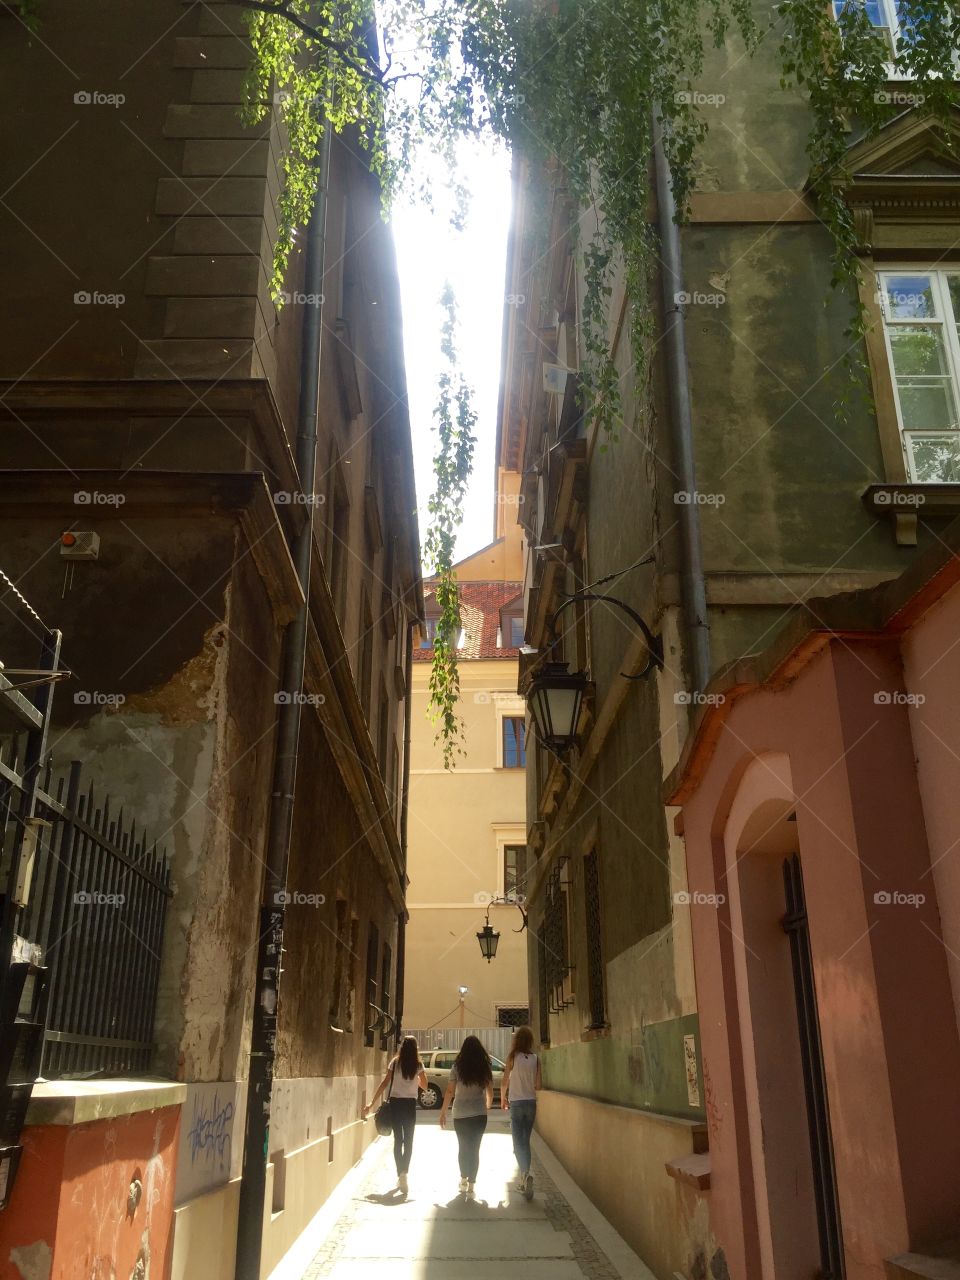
256,1148
692,576
404,818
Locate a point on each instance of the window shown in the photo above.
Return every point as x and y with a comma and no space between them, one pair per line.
595,975
370,1014
921,314
385,993
514,869
366,656
383,731
444,1061
339,963
886,15
339,551
429,633
512,1015
514,751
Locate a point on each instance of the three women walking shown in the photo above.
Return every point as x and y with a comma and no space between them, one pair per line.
468,1097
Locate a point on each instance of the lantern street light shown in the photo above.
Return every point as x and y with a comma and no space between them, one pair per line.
488,937
555,695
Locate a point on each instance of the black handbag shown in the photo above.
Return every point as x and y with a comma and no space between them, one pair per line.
383,1117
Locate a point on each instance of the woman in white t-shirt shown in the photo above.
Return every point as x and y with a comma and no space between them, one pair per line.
521,1080
406,1077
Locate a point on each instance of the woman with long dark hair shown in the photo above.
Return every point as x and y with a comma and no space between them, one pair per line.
406,1077
521,1080
471,1092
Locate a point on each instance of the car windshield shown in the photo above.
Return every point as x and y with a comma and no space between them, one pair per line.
497,1064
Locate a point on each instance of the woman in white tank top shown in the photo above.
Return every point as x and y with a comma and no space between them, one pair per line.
521,1080
404,1078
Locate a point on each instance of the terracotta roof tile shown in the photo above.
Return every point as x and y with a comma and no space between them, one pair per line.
480,605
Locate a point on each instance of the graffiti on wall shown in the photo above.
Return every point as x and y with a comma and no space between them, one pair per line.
211,1137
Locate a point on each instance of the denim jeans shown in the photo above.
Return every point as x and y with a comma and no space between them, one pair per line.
469,1132
522,1116
404,1114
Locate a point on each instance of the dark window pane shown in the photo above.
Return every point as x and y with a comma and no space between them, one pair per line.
514,751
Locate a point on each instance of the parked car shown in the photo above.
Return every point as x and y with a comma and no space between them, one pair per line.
437,1064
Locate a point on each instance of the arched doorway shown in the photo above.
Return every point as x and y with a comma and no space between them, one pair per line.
785,1086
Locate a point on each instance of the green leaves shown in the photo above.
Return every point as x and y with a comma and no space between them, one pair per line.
452,466
573,87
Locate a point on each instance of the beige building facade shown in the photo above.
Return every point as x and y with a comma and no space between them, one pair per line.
467,826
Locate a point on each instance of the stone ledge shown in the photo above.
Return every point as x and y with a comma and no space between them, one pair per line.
917,1266
71,1102
693,1170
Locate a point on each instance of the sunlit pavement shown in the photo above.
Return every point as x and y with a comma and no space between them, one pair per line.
433,1234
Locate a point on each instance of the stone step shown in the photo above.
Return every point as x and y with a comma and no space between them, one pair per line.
919,1266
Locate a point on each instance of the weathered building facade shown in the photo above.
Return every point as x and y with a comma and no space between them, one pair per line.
150,388
783,506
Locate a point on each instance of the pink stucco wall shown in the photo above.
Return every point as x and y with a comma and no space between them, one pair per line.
70,1216
931,663
832,748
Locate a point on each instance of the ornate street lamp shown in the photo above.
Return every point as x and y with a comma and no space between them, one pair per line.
488,937
555,695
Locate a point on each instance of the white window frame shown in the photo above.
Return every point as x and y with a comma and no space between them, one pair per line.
948,322
892,27
510,710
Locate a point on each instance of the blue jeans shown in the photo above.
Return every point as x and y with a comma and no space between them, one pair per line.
522,1116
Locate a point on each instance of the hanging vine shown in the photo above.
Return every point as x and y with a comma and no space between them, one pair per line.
452,465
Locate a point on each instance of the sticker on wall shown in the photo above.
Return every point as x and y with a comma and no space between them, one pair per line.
690,1062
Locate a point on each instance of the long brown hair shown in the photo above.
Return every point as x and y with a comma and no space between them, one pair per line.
408,1058
473,1063
522,1043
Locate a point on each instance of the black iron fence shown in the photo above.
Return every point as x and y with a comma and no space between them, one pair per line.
94,918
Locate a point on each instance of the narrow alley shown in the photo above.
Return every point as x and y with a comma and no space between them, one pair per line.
433,1234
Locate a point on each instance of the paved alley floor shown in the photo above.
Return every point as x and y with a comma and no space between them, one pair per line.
433,1234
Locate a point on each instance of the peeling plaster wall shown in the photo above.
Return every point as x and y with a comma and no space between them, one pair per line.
94,1201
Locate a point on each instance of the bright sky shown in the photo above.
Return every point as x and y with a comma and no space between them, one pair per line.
430,251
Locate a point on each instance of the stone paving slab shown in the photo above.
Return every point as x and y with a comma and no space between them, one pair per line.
425,1269
415,1208
437,1238
434,1234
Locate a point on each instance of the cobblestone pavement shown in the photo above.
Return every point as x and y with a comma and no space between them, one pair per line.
433,1234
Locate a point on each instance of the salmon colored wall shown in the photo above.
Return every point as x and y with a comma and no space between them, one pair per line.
68,1217
931,662
880,969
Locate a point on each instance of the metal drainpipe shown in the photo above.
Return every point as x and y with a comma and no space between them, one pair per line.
681,421
256,1147
404,811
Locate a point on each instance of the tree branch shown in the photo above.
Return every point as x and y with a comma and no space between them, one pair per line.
368,68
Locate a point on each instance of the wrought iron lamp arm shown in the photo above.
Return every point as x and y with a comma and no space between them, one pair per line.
654,643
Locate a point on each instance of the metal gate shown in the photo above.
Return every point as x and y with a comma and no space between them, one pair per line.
83,896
